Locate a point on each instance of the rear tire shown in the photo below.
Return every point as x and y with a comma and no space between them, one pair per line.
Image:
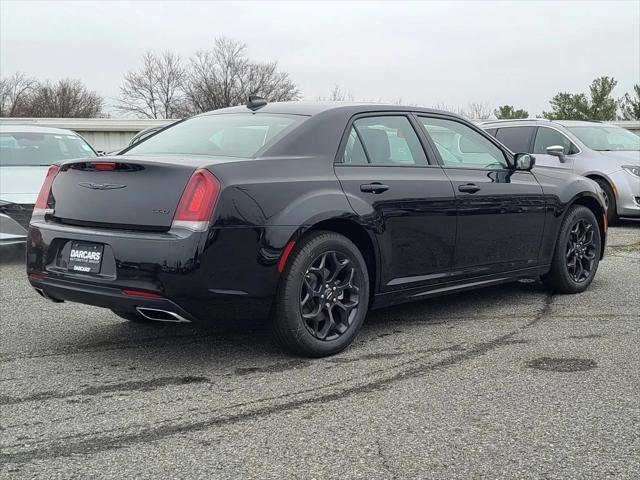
323,296
132,316
577,253
612,208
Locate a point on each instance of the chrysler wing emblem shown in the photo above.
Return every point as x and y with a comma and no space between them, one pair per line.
101,186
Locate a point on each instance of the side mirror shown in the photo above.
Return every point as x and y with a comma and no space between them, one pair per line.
556,151
524,161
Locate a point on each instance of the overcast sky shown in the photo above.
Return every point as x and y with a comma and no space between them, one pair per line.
427,53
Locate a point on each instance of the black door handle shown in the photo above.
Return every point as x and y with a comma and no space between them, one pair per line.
468,188
374,188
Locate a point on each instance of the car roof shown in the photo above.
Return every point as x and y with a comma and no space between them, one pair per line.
11,128
579,123
314,108
538,121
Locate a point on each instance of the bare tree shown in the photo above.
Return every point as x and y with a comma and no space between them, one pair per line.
224,77
68,98
15,93
448,108
156,90
336,94
478,111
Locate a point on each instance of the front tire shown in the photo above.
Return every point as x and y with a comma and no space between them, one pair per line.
323,296
577,253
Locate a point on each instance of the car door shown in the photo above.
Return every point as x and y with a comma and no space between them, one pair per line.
501,211
549,136
410,203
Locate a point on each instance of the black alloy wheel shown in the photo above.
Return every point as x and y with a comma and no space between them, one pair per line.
581,250
329,296
577,253
323,295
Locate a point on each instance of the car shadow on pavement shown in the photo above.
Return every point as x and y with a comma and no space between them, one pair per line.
12,254
224,343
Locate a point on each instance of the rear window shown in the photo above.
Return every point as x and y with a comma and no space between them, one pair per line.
31,148
517,139
228,135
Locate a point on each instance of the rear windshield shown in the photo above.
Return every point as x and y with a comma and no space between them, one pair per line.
228,135
30,148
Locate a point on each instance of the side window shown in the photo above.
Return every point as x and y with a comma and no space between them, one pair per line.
547,137
461,146
353,151
385,140
517,139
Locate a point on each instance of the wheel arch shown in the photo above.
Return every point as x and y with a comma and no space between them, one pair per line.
359,236
603,177
594,205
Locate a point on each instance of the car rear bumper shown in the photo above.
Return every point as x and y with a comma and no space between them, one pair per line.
225,273
57,289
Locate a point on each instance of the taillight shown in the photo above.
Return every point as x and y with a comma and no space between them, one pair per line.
197,202
103,166
42,202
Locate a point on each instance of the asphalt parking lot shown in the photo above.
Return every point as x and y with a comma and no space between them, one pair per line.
504,382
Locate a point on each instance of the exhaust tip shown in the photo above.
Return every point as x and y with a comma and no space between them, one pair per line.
44,294
159,315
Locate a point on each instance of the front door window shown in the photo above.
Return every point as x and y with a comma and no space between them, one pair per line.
462,147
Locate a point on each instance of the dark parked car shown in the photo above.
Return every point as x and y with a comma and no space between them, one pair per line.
312,213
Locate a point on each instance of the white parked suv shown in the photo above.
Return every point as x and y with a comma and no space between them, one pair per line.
607,154
26,151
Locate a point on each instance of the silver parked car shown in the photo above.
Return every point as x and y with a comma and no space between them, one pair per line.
607,154
25,155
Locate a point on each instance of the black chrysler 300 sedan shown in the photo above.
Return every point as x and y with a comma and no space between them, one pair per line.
311,214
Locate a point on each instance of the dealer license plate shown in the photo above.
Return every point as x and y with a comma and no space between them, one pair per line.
85,257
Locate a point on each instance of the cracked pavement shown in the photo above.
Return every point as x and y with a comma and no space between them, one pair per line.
506,381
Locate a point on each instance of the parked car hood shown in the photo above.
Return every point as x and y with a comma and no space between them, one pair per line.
622,157
21,184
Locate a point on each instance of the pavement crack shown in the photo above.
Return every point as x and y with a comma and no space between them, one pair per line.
384,459
544,311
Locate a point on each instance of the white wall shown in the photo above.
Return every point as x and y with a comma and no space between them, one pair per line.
106,134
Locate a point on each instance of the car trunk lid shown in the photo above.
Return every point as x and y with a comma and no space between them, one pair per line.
121,192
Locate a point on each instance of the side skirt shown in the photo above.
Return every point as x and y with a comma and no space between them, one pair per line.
421,293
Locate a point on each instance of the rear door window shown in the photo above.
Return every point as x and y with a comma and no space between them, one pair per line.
384,140
353,150
517,139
